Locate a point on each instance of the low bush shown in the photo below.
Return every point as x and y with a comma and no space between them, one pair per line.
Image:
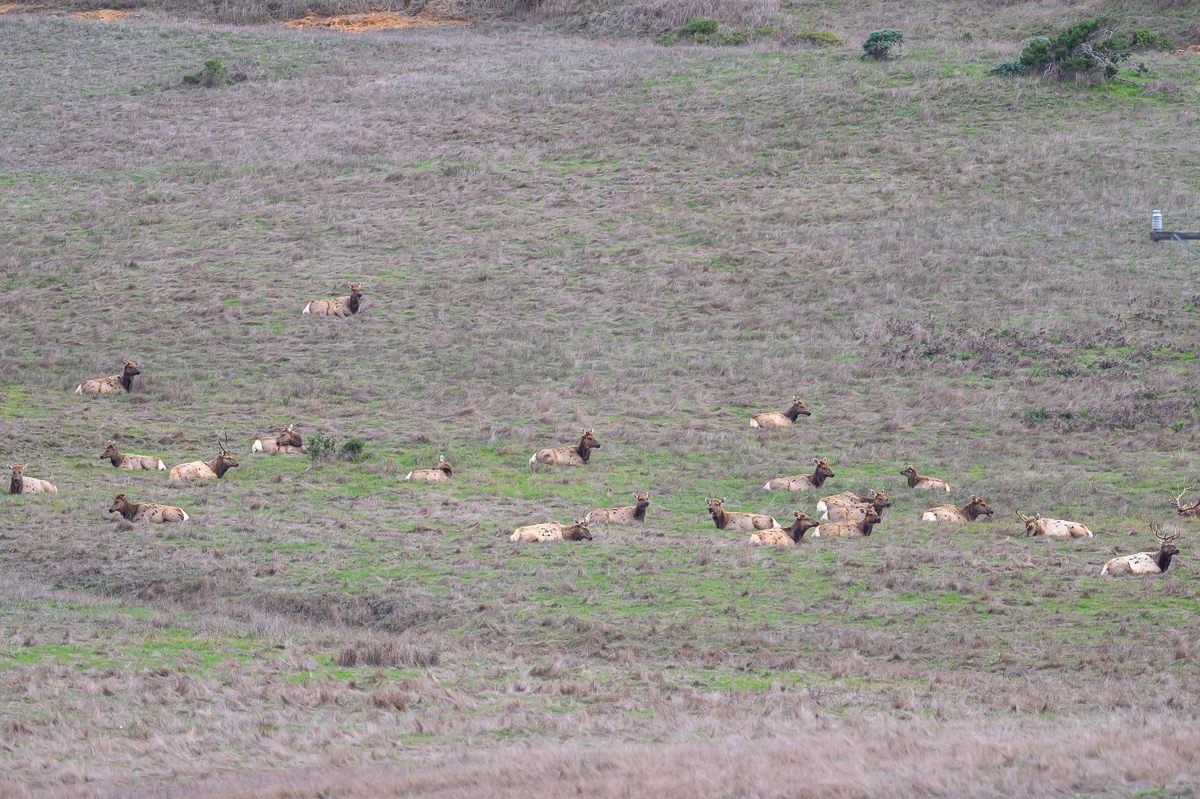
352,450
320,448
1082,49
700,30
214,74
879,44
814,39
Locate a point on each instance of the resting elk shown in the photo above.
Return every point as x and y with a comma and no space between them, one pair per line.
1145,562
1186,510
288,442
577,455
784,536
147,511
627,514
967,513
924,483
336,306
739,522
20,484
859,529
553,531
856,512
442,471
114,384
803,482
205,470
1053,528
135,463
777,419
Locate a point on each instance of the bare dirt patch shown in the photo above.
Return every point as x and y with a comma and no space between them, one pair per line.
104,15
437,13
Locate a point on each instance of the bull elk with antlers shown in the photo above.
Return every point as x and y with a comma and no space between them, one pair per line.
1186,510
1146,562
205,470
777,419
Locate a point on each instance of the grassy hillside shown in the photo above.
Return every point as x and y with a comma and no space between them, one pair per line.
953,270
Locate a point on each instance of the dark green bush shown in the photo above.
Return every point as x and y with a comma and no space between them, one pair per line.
879,44
1139,40
213,74
815,38
1074,51
1005,68
352,450
320,448
699,25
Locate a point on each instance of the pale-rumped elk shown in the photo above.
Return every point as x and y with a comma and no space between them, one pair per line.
803,482
205,470
1145,562
777,419
856,513
924,483
442,471
577,455
784,536
845,498
967,513
134,463
288,442
1053,528
1186,510
336,306
859,529
113,384
738,522
147,511
20,484
627,514
553,531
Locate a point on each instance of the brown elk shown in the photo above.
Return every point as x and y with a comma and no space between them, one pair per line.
135,463
1145,562
442,471
113,384
845,498
738,522
784,536
859,529
855,513
924,483
553,531
288,442
577,455
803,482
147,511
20,484
336,306
628,514
777,419
967,513
1053,528
205,470
1186,510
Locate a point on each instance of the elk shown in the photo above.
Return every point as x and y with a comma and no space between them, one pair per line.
553,531
113,384
442,471
1145,562
948,513
133,463
1186,510
777,419
845,498
856,512
738,522
21,484
803,482
784,536
336,306
628,514
924,483
1053,528
288,442
577,455
205,470
147,511
859,529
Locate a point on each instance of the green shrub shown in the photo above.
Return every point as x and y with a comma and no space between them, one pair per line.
879,44
699,25
1074,51
815,38
213,74
1006,68
320,448
1139,40
352,450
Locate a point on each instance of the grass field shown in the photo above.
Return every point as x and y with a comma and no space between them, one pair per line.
555,231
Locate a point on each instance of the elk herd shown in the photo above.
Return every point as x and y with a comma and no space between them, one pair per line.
844,515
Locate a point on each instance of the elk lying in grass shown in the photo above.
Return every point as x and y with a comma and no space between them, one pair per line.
147,511
205,470
777,419
967,513
288,442
803,482
553,531
442,471
337,306
739,522
845,498
856,512
1186,510
20,484
1053,528
135,463
113,384
577,455
924,483
859,529
784,536
627,514
1145,562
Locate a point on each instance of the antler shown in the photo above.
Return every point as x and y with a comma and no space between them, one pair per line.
1179,507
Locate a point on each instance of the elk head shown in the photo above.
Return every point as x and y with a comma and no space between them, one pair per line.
110,451
121,505
799,407
1165,547
976,508
224,460
588,440
823,471
643,500
1186,510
